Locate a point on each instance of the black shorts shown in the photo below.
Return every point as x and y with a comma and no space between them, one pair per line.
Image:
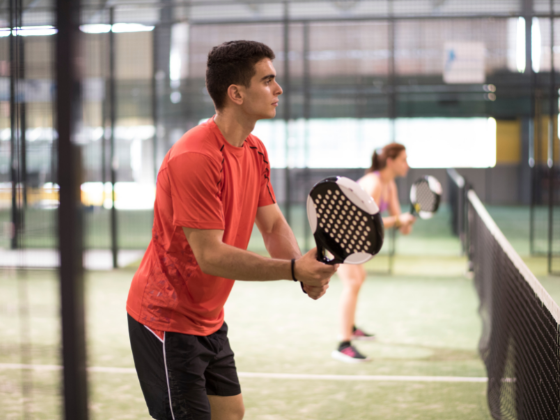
177,373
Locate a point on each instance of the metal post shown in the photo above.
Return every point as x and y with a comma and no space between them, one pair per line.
392,112
392,74
70,212
551,136
14,161
307,116
105,107
113,120
287,110
154,101
392,244
527,10
23,126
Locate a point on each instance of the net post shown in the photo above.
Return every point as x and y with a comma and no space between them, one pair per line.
458,203
467,226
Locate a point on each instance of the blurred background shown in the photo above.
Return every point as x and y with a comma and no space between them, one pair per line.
470,85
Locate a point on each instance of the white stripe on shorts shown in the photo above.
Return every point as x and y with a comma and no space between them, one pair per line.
167,377
157,336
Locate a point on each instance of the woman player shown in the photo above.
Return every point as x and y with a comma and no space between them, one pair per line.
379,181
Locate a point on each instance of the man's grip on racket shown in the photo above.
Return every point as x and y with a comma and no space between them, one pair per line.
219,259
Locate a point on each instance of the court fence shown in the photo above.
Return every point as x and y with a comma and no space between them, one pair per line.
141,77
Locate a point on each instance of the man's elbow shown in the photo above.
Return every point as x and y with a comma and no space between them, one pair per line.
204,263
207,261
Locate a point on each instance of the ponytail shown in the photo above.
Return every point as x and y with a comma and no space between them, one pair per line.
380,156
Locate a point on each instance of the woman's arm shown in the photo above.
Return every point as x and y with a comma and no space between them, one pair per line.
373,186
394,208
397,219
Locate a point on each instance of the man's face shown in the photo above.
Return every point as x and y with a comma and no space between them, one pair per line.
261,97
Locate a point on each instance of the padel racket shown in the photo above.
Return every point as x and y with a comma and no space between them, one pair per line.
425,195
345,222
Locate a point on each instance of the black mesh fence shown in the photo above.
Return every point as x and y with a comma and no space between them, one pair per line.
29,303
520,339
367,64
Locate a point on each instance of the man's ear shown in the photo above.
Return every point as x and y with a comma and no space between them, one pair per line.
235,94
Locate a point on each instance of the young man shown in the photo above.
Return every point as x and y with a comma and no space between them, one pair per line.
213,185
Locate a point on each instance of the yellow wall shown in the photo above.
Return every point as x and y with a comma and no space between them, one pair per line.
541,140
508,141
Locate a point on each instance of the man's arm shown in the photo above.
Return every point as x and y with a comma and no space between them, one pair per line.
278,237
281,243
219,259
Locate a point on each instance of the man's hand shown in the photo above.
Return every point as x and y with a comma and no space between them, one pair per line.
313,274
315,292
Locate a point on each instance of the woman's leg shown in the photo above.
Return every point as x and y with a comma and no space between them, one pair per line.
352,277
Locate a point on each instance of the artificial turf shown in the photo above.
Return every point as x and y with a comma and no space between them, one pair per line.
424,314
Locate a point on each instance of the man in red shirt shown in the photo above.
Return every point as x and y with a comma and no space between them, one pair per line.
213,185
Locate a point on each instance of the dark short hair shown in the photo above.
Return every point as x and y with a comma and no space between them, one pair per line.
233,63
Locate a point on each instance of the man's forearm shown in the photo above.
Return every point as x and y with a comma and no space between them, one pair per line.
237,264
280,242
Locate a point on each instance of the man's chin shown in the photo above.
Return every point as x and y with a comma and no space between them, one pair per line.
268,116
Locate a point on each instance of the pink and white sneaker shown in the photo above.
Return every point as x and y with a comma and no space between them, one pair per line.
349,354
359,334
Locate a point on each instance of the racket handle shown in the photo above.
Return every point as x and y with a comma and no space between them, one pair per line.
302,289
412,209
321,254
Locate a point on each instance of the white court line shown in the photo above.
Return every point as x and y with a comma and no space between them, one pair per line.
378,378
32,367
375,378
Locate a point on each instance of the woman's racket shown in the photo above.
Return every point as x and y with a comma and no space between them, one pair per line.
345,222
425,195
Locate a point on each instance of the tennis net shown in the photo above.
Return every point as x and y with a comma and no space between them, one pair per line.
520,342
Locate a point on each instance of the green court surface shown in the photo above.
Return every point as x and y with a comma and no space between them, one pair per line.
427,326
424,314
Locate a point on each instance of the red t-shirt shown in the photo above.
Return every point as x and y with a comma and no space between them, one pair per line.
203,183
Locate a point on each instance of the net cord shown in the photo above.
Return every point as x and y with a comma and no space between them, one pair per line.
456,177
537,287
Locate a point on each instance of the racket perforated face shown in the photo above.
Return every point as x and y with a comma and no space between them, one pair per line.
345,221
425,196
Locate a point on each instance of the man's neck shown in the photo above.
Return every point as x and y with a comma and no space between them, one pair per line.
235,128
